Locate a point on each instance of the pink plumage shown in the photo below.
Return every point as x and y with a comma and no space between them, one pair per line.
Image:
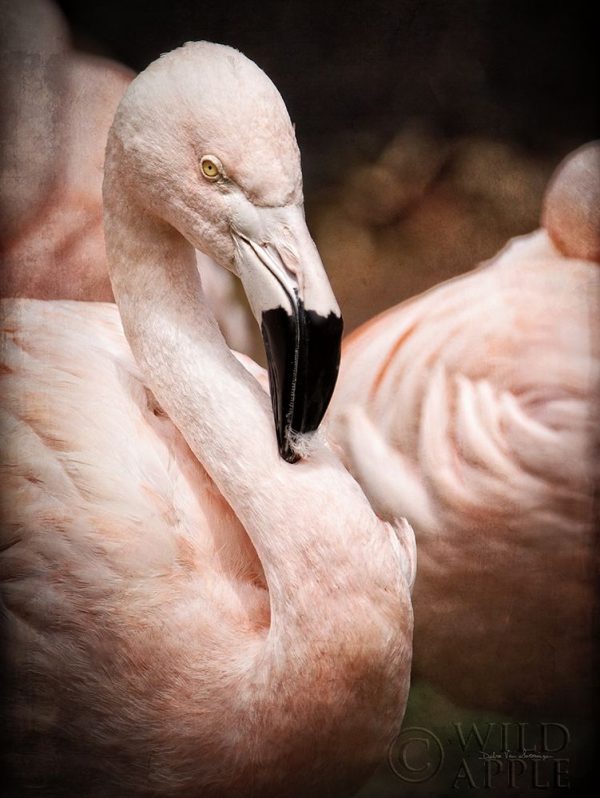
185,613
472,410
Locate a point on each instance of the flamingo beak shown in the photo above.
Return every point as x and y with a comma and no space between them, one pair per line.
303,356
300,320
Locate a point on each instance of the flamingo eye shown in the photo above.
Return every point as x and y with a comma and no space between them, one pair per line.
211,167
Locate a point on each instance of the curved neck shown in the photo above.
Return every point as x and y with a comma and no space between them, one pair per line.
222,412
225,416
215,403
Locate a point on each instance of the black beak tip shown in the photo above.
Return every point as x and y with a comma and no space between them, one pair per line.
287,453
303,354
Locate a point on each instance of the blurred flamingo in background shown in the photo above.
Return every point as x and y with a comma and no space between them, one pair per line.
472,411
58,105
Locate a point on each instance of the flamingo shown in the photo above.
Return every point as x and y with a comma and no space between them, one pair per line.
194,602
471,410
58,105
51,193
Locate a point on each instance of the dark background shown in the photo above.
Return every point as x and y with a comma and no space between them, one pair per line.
526,72
428,128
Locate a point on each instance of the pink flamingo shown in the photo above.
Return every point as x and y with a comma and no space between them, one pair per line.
58,105
471,410
187,612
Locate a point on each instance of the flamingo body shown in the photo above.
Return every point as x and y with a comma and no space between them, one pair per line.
113,547
472,410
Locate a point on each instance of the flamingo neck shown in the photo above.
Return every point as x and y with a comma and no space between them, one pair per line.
215,403
219,408
226,417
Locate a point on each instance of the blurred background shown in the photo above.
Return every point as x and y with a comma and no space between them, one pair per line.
428,131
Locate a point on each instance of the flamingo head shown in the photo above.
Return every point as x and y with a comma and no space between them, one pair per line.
214,153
